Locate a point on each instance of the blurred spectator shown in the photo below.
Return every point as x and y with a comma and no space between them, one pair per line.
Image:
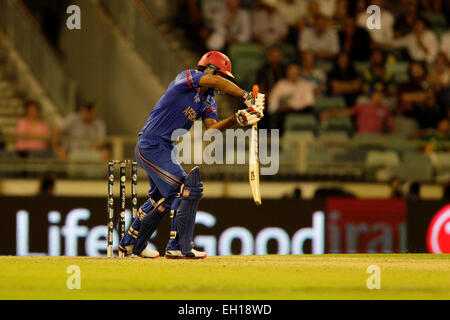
33,133
446,190
421,43
395,185
343,80
83,130
342,8
386,32
327,7
406,19
310,73
439,78
413,92
297,194
371,117
267,76
445,44
231,26
355,41
428,114
272,71
269,26
377,76
2,141
438,139
292,94
320,39
414,191
47,184
293,12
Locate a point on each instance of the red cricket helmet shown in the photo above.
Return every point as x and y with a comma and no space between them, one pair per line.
217,59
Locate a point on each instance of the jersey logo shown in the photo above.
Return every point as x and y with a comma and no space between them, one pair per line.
190,113
197,97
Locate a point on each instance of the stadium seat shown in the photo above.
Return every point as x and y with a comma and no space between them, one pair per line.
247,59
339,124
368,139
329,102
333,137
382,159
300,135
413,172
300,122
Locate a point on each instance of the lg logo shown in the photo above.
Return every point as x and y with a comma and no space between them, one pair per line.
438,238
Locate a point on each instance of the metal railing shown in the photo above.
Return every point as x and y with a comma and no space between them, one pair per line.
135,21
42,59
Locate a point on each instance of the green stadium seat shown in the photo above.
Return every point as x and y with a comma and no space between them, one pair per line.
333,137
413,172
339,124
300,135
329,102
368,139
416,158
247,59
443,159
300,122
382,159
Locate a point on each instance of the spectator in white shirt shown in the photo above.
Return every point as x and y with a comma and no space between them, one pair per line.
422,43
291,95
321,39
269,26
386,32
445,44
231,26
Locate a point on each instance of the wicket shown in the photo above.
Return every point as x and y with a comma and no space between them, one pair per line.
122,196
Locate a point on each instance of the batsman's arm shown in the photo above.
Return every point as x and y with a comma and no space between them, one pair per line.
221,125
222,84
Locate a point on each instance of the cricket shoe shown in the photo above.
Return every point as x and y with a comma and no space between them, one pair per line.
176,254
146,253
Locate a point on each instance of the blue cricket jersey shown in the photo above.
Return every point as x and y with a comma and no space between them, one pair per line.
179,107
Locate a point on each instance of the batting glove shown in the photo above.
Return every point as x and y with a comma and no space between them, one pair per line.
249,116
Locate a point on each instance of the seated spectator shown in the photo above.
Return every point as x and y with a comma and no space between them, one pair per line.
292,94
421,43
414,191
267,76
47,184
33,133
343,80
439,138
386,32
293,11
231,26
272,71
310,73
445,44
354,40
342,8
406,18
439,78
371,117
327,7
320,39
377,76
83,130
413,92
428,114
269,26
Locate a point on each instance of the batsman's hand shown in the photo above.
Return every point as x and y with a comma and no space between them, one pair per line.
260,101
249,116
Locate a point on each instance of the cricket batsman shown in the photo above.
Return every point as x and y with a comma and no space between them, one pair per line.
189,97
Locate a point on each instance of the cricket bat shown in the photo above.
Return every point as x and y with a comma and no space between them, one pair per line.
253,169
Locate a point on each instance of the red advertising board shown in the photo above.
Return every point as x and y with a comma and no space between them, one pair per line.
366,226
438,237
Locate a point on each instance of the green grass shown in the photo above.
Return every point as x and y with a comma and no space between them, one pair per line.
403,276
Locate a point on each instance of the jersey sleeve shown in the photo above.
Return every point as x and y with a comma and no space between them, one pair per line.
209,109
188,79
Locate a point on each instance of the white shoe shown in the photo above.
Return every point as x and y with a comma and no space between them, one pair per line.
146,253
176,254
